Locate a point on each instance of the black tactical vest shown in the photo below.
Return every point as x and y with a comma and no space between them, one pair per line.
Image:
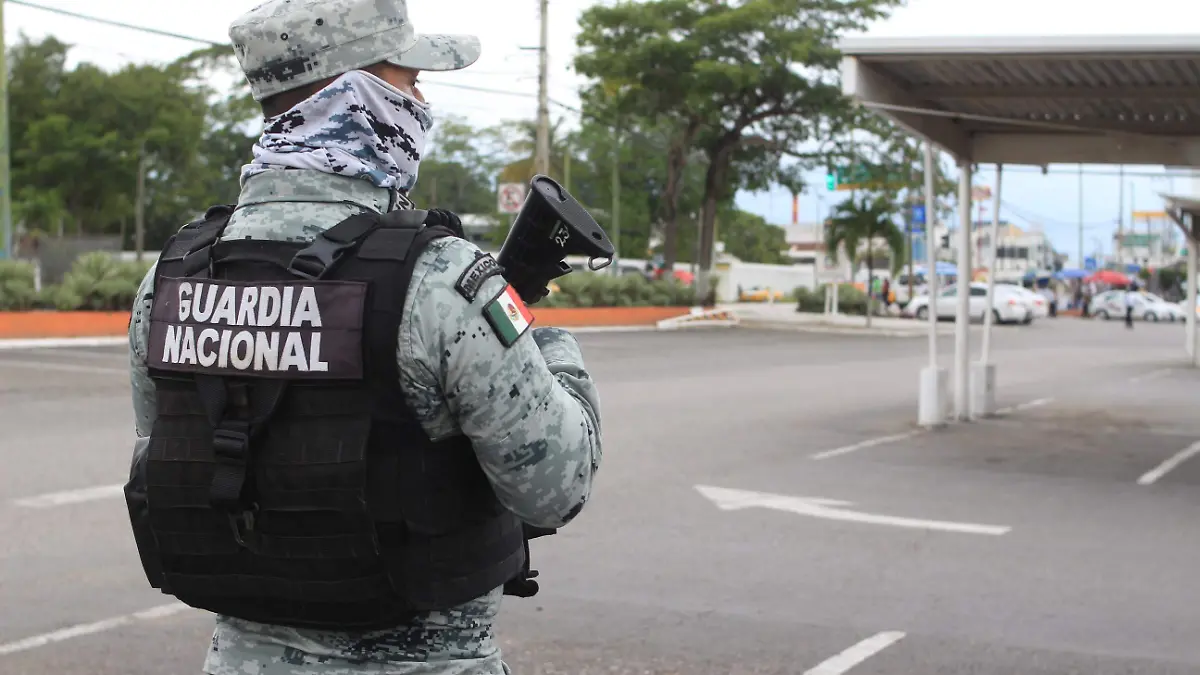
287,481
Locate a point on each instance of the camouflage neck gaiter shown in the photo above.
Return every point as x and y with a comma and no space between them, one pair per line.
359,126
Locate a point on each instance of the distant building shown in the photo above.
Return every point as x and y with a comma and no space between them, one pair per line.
1019,252
806,246
1152,240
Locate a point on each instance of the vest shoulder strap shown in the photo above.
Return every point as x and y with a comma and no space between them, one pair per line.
186,252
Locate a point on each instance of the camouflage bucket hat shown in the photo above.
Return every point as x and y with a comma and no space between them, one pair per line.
285,44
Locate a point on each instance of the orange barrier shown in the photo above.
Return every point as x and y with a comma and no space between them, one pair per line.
62,324
43,324
568,317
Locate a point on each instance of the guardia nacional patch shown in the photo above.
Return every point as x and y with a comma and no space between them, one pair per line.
472,278
508,316
283,329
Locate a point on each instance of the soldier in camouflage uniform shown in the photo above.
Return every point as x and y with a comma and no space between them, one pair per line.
344,132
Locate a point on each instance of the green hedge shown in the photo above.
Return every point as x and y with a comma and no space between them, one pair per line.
850,300
96,282
587,289
99,282
16,286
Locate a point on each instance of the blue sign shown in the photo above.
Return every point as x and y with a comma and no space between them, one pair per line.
1089,263
918,215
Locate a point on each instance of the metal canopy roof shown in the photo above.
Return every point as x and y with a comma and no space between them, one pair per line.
1185,211
1129,100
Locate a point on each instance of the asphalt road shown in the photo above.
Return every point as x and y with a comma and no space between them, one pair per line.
1062,561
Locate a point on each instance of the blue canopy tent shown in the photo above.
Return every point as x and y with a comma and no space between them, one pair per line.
942,269
1072,273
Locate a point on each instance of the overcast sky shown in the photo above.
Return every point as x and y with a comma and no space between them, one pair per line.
506,27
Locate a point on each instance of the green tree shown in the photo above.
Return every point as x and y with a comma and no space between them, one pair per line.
894,163
750,238
79,138
748,73
641,150
458,170
863,220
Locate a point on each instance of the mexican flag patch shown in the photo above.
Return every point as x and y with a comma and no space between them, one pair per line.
509,316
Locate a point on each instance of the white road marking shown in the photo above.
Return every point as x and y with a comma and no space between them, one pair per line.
870,443
40,343
1008,410
1034,403
68,367
728,499
1163,469
1152,375
857,654
612,329
90,628
71,497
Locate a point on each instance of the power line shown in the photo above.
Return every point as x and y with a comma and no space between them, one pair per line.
499,92
471,87
155,31
1033,217
119,24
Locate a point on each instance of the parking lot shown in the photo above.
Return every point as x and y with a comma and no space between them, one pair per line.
766,505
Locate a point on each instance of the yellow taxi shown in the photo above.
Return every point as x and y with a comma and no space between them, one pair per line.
759,294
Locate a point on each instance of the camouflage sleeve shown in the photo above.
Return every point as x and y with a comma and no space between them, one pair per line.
139,337
531,409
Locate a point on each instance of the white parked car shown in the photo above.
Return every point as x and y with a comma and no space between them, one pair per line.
1146,307
1008,306
1037,303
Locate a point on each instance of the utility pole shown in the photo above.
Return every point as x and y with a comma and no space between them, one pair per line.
616,200
6,224
139,226
1121,214
1081,265
541,161
567,168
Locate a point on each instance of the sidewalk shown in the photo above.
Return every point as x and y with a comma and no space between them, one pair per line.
783,316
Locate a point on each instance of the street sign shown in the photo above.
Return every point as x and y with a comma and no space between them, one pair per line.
1089,263
918,215
832,509
510,196
860,177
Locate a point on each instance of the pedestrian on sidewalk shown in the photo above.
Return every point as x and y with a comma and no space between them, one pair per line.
1129,305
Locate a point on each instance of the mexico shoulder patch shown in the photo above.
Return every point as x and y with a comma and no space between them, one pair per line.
508,315
472,278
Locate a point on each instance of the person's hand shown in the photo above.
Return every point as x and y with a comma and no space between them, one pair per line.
446,219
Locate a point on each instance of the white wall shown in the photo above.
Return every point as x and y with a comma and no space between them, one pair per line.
783,278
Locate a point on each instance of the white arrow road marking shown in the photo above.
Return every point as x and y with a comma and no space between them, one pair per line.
856,654
728,499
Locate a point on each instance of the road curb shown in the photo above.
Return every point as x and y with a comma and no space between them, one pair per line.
831,330
46,343
117,341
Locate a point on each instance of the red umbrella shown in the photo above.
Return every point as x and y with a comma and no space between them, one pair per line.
1109,277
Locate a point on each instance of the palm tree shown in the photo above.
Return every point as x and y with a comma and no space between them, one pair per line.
865,219
523,144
